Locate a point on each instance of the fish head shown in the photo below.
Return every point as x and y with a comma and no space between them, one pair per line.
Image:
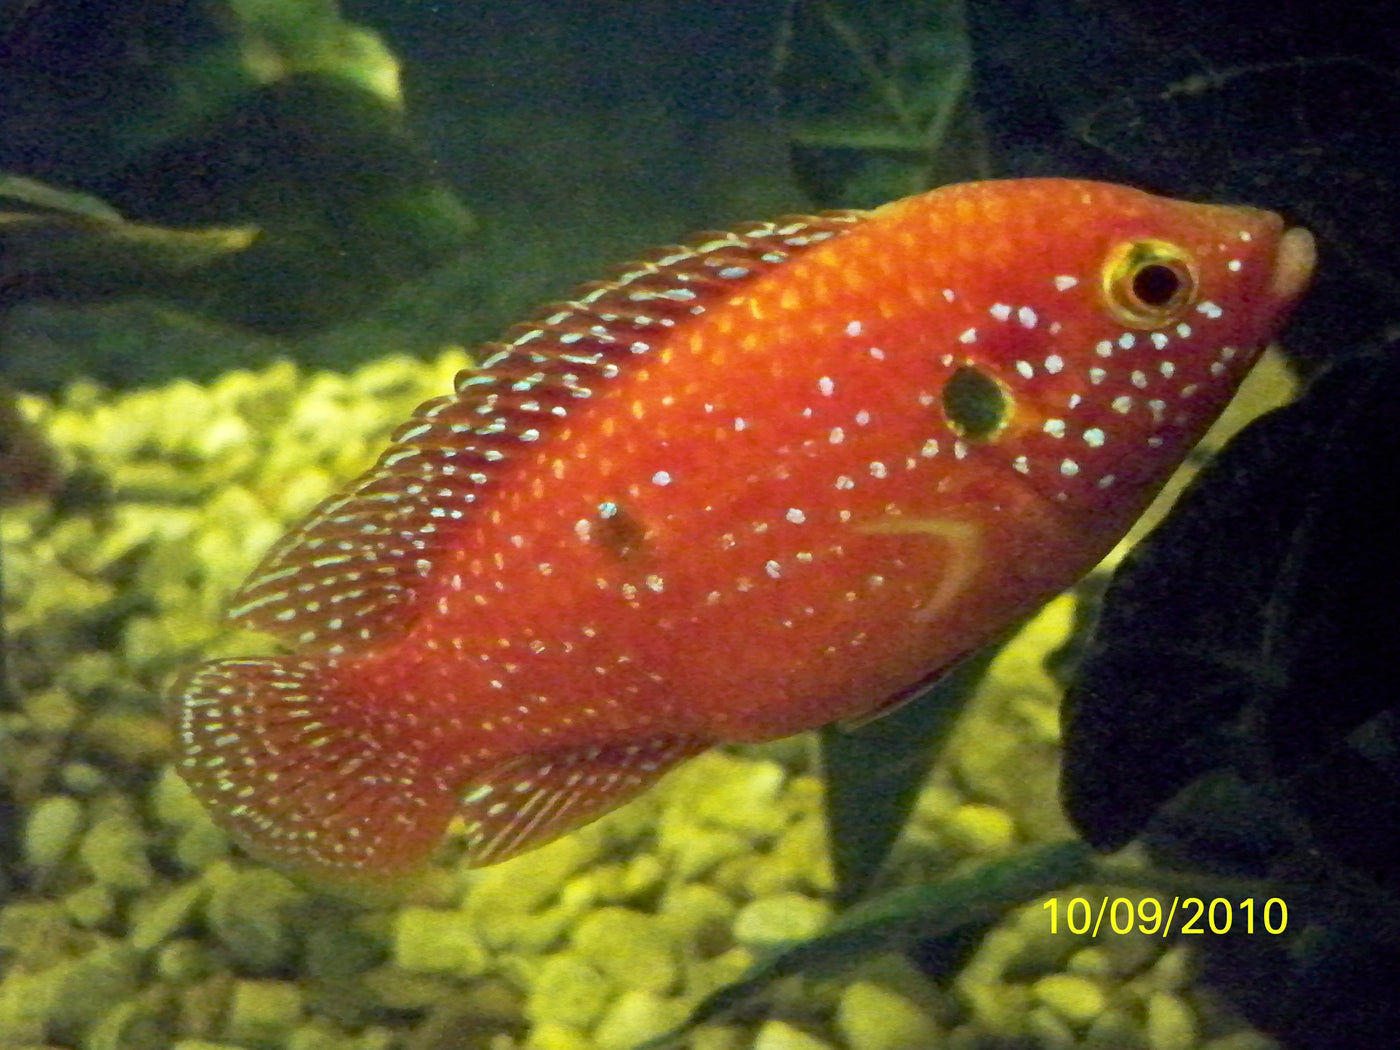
1129,325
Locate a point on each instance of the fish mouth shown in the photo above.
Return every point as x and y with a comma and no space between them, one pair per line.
1293,264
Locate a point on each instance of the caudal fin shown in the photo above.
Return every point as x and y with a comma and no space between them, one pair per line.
273,749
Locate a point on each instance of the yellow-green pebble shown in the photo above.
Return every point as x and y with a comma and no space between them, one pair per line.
569,990
1078,1000
552,1035
631,948
783,917
114,851
634,1017
1170,1023
977,828
262,1013
872,1017
248,911
779,1035
159,919
435,940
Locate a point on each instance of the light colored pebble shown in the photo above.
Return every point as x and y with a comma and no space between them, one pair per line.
1076,999
634,1017
156,920
980,829
1048,1030
263,1012
1115,1029
248,911
779,1035
432,940
1170,1023
114,850
570,991
551,1035
631,948
872,1017
51,831
697,915
775,920
90,906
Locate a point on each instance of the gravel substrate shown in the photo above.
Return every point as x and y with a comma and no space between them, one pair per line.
127,922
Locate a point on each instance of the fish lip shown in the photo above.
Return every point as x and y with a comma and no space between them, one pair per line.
1294,262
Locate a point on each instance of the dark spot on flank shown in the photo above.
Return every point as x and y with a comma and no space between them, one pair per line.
618,531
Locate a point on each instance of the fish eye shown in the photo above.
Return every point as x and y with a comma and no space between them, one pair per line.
1146,283
975,404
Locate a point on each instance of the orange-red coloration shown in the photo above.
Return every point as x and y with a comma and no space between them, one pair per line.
758,483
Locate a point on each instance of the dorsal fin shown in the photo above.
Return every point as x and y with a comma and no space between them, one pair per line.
353,568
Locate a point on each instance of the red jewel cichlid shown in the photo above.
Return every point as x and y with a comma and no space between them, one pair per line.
761,482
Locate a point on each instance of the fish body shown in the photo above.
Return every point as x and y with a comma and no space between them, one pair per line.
755,484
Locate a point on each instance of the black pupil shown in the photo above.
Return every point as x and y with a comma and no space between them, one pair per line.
1156,284
973,403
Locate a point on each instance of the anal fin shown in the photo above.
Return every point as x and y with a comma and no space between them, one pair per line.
533,799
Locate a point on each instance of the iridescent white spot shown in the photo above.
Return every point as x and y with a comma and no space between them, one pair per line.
1001,311
862,417
1155,441
845,482
1073,402
1183,330
959,449
1227,353
1208,309
1097,376
1127,340
739,423
948,294
929,449
773,569
1069,468
1167,369
661,477
1103,348
1055,427
1064,282
1094,437
1021,464
877,353
1234,266
1158,408
1189,390
1217,369
1139,379
853,328
1159,340
877,469
1122,404
795,516
1105,481
1025,369
1246,236
1026,316
836,436
826,386
1054,363
969,336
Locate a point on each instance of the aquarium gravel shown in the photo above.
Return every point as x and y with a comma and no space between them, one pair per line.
128,922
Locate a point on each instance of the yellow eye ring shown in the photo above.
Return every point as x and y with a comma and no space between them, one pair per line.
1146,283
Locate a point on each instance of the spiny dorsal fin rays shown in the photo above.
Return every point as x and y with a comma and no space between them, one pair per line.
354,567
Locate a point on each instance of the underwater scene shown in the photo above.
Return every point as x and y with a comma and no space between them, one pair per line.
792,524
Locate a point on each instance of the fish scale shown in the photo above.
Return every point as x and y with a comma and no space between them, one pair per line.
751,485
